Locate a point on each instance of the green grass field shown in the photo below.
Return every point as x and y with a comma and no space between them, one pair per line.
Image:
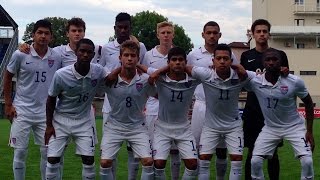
290,167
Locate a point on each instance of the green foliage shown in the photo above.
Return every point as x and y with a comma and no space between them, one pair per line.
58,29
144,27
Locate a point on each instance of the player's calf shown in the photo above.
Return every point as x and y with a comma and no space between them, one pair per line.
307,167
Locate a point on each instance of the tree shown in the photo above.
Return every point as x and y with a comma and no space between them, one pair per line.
58,30
144,27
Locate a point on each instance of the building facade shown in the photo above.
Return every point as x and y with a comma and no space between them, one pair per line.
295,30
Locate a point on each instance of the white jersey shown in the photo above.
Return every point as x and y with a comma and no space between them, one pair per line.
175,98
278,102
34,75
75,91
202,58
69,57
154,59
110,59
222,105
128,100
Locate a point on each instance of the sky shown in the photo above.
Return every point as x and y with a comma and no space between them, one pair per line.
233,16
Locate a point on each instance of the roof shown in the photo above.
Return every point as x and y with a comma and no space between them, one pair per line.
6,19
239,45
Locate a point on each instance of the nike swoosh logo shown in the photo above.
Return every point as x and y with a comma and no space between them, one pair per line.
29,62
262,87
67,55
250,60
151,62
198,59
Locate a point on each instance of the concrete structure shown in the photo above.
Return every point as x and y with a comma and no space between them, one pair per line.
296,30
238,48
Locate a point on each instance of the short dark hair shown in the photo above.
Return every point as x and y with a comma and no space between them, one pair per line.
76,21
123,16
85,41
271,53
128,44
260,22
210,23
176,51
223,47
42,23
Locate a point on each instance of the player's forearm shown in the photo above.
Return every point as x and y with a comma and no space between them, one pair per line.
50,107
309,112
7,88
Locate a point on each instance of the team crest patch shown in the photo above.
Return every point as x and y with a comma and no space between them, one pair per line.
94,82
234,81
50,62
139,86
13,140
188,84
284,89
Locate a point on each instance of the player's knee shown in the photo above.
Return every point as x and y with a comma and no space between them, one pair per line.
147,161
235,157
53,160
160,164
191,164
257,162
106,163
87,160
221,153
205,156
20,154
174,151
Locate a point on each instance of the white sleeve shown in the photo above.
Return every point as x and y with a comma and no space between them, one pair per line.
201,73
301,90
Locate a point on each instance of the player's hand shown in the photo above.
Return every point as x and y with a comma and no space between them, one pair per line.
49,132
10,112
242,73
309,138
153,78
25,48
284,71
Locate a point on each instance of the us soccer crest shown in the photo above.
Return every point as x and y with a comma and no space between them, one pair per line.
284,89
94,82
139,86
50,62
188,84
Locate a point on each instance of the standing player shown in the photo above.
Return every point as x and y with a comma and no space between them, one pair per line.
158,58
222,122
34,73
110,59
76,86
277,98
252,115
126,121
75,31
175,90
202,57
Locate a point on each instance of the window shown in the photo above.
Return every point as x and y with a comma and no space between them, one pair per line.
308,73
299,1
300,45
299,22
318,21
291,72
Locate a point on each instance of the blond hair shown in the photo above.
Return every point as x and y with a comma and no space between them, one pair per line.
164,24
